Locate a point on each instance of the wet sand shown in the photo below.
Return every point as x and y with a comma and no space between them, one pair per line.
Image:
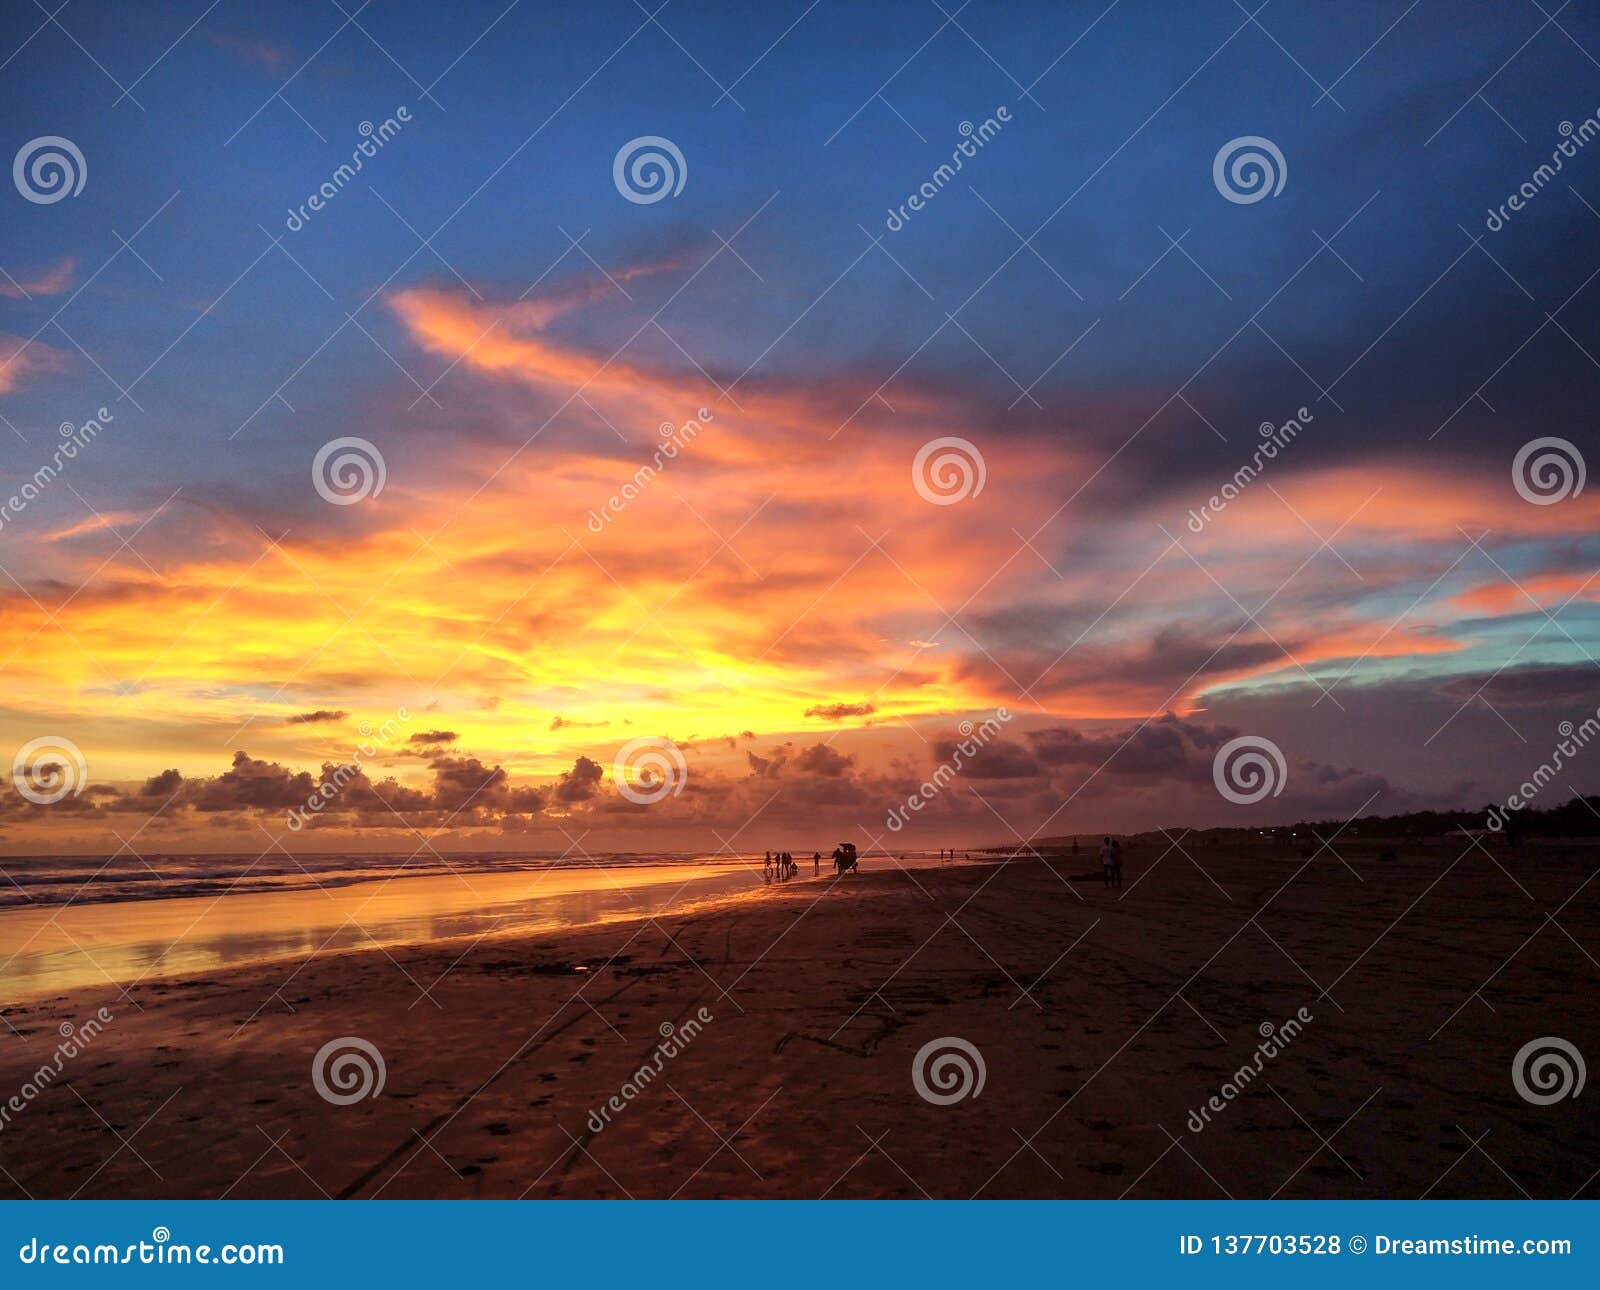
48,948
1102,1018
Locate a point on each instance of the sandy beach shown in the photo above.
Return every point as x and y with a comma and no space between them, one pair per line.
1102,1019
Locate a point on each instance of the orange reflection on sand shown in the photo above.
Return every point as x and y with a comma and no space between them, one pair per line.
49,950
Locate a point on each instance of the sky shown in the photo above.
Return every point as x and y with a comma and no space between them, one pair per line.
659,441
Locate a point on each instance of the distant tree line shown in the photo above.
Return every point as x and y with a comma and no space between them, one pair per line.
1577,818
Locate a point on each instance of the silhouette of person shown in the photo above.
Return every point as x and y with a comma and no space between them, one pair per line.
1108,860
1116,861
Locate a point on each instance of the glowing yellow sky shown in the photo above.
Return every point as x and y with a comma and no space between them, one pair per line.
782,562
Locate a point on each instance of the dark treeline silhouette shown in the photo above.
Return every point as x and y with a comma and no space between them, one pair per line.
1576,818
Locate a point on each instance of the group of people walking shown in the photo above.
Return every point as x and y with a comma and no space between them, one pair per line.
780,866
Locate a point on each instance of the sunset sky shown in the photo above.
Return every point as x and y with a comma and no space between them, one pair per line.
517,338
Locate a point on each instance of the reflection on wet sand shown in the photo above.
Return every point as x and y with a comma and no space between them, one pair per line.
51,950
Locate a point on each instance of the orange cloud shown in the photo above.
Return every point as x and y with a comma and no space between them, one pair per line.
272,57
93,524
22,359
1540,591
50,282
1393,499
